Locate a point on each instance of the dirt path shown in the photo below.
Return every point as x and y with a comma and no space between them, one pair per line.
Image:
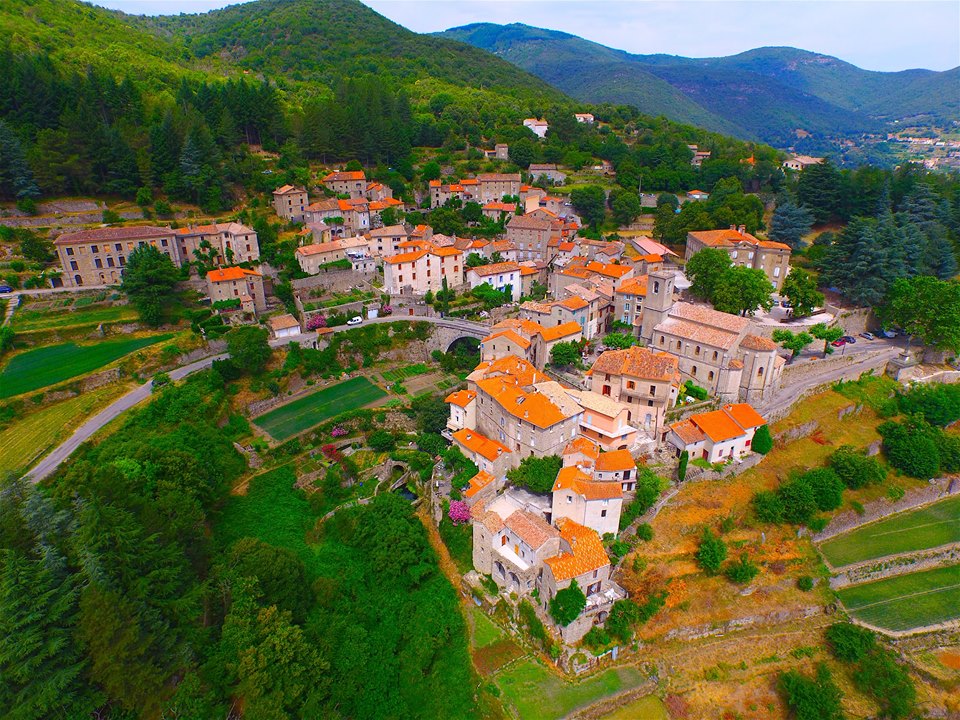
447,566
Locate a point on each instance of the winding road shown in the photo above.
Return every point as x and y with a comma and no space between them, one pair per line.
58,455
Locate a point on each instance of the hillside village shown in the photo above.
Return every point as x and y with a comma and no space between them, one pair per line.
439,394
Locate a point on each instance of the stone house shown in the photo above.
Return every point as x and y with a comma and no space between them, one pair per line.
499,276
385,241
537,126
312,257
326,212
531,235
237,283
97,257
497,210
347,182
289,202
526,339
225,243
487,454
716,436
605,421
644,380
584,118
494,186
745,251
423,270
628,302
285,325
721,352
594,504
547,170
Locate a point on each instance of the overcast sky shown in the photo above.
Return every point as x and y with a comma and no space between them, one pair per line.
874,34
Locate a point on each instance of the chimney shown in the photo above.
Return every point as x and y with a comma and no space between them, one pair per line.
733,227
742,229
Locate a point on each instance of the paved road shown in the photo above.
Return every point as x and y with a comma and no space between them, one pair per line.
52,461
786,396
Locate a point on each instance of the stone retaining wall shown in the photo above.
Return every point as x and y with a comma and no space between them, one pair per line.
339,280
893,565
99,379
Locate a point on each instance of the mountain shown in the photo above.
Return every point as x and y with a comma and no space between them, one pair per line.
768,94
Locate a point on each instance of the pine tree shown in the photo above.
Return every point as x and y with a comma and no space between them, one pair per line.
819,190
790,223
16,178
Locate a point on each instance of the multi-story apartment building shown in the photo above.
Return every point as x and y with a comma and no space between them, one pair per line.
289,202
643,380
593,504
526,339
745,250
531,235
97,257
423,269
311,257
347,182
628,302
721,352
494,186
385,241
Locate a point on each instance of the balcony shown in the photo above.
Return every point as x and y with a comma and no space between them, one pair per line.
599,601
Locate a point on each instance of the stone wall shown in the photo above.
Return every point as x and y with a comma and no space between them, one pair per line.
99,379
896,565
735,468
853,320
795,433
796,373
338,280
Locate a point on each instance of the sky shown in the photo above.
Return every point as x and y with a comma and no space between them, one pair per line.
873,34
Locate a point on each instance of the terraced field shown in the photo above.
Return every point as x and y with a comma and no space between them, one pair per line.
908,601
295,417
927,527
53,364
405,372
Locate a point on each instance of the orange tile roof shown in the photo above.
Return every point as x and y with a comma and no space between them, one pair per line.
584,446
405,257
574,303
723,238
461,397
434,183
756,342
230,273
480,444
634,286
534,407
530,528
515,369
744,415
688,432
524,270
287,188
572,478
345,176
447,251
717,425
509,335
564,330
615,460
478,482
494,268
586,552
500,206
637,362
566,246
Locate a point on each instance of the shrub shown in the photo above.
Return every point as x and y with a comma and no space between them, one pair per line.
742,571
567,604
381,441
888,682
712,552
645,532
532,622
911,447
849,642
648,490
799,500
805,583
623,616
762,441
459,512
827,488
537,474
768,507
938,403
431,443
682,466
695,391
815,698
596,638
855,469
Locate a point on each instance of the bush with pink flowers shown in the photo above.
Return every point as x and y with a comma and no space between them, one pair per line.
316,322
459,512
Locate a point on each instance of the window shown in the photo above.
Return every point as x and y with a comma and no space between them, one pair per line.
776,271
603,513
94,249
715,354
123,261
656,287
98,262
631,384
750,256
661,340
70,251
569,498
73,264
653,389
710,375
696,350
163,243
626,307
734,254
110,262
693,371
760,371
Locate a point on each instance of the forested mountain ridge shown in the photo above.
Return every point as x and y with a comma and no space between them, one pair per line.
767,93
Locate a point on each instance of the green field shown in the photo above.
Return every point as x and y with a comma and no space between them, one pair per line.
485,631
646,708
26,440
403,373
33,320
49,365
928,527
292,418
908,601
538,694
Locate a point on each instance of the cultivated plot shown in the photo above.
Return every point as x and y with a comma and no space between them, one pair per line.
908,601
293,418
928,527
49,365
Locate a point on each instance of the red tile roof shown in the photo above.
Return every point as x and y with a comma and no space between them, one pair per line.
230,273
586,552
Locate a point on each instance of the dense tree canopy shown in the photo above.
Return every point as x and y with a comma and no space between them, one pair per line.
148,279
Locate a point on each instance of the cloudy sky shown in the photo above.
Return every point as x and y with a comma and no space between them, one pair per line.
874,34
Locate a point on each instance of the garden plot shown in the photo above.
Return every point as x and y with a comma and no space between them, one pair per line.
906,602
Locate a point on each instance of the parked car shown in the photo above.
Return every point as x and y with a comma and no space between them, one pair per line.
888,333
6,289
839,343
849,339
356,320
868,336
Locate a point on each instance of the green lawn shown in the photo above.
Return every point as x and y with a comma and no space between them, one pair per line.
288,420
906,601
28,439
31,320
538,694
928,527
485,631
403,373
49,365
646,708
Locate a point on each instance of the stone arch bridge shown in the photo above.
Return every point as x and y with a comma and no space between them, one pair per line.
446,331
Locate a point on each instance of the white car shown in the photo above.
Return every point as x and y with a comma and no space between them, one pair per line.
356,320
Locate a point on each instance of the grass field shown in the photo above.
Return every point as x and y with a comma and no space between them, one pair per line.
908,601
538,694
928,527
485,631
33,320
405,372
49,365
26,440
646,708
288,420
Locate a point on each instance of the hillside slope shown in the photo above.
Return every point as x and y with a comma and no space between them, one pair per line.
767,93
